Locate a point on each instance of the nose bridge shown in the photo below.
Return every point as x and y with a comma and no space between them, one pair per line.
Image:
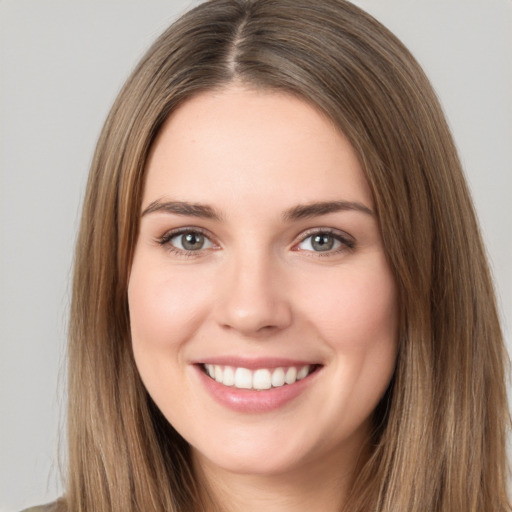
253,300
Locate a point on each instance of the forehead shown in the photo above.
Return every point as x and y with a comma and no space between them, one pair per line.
252,146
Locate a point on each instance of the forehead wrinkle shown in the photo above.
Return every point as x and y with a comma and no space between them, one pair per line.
184,208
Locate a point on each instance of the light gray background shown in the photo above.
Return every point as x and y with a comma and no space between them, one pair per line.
61,65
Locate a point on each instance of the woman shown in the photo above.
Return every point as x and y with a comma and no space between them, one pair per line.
281,298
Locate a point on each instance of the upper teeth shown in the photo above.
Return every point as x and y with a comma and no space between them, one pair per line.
258,379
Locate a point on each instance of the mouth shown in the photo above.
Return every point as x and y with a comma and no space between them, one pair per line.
256,385
259,379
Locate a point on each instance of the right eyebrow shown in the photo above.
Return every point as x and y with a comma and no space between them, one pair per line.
183,208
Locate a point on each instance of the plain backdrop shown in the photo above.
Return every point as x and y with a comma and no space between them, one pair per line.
61,65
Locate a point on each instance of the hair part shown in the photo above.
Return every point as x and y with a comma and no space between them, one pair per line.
440,430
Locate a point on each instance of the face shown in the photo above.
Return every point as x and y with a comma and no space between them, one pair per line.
263,311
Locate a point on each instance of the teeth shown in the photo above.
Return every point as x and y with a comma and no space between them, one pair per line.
260,379
243,378
291,375
229,376
278,377
303,372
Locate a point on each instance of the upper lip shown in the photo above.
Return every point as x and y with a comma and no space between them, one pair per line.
255,363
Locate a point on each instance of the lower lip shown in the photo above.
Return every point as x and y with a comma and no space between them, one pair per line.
252,401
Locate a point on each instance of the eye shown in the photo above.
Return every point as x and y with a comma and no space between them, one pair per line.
325,241
187,241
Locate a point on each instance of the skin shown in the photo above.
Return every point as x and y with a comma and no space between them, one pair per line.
260,288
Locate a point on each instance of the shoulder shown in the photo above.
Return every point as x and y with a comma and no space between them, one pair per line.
56,506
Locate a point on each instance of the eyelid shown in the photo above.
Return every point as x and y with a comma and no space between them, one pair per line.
166,238
348,242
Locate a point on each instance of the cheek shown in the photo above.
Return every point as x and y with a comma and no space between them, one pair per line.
165,307
358,311
358,320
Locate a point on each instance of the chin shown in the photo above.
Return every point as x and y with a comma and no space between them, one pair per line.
255,463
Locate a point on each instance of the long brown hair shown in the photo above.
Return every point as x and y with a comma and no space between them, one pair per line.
440,430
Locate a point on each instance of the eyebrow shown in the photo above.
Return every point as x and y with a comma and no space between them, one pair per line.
183,208
298,212
323,208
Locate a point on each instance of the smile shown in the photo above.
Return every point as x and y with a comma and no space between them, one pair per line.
256,385
259,379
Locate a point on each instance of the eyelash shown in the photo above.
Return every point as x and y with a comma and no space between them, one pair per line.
165,240
346,241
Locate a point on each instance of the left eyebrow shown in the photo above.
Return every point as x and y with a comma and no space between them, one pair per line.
322,208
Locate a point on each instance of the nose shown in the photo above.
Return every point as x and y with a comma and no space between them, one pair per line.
254,299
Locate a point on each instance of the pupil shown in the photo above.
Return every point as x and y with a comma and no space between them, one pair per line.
193,241
323,242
